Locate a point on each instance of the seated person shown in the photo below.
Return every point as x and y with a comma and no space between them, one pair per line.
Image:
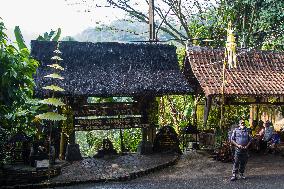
258,138
254,128
106,150
268,132
272,143
38,152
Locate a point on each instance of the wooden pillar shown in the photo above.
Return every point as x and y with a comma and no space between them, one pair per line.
122,148
153,118
72,139
144,134
73,150
207,107
196,99
148,134
143,107
62,146
251,114
257,114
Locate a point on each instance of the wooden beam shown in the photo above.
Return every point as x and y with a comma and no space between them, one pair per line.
249,103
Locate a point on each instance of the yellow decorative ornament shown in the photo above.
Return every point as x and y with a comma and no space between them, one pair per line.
52,101
53,88
54,76
231,48
56,66
51,116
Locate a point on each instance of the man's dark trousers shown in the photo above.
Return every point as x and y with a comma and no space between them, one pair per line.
240,160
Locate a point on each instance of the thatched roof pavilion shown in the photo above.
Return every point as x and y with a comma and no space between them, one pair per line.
112,69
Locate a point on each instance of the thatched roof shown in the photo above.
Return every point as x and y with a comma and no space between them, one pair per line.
258,73
112,69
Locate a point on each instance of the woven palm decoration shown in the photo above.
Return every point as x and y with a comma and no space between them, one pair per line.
231,48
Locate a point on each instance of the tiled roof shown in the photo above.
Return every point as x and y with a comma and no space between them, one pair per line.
259,73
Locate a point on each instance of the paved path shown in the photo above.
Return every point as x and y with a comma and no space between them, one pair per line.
196,170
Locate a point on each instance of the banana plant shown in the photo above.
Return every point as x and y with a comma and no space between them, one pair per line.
19,38
51,36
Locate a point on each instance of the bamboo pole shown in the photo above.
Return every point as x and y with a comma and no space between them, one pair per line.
223,94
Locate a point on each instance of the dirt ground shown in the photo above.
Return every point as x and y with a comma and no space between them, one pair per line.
197,170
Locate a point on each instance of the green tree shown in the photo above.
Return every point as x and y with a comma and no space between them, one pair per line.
16,82
17,106
259,24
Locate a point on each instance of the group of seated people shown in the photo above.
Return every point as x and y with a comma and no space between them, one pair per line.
265,138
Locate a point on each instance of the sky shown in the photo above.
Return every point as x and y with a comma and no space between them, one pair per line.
38,16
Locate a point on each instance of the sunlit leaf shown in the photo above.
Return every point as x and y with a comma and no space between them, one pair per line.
52,101
19,38
52,116
55,76
53,88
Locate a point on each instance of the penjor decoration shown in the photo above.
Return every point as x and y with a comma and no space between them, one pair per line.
231,46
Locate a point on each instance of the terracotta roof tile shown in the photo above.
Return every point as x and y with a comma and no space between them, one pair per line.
257,73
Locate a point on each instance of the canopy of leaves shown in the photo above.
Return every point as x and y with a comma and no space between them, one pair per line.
259,24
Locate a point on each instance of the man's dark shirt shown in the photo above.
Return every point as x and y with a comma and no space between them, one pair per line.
241,136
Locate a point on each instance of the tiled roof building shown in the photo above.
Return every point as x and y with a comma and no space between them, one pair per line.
258,73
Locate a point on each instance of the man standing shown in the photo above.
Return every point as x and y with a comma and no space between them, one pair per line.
241,140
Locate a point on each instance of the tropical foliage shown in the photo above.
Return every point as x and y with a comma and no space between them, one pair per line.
16,70
51,36
91,141
17,106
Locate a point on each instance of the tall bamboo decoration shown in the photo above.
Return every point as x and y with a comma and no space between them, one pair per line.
52,116
230,58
